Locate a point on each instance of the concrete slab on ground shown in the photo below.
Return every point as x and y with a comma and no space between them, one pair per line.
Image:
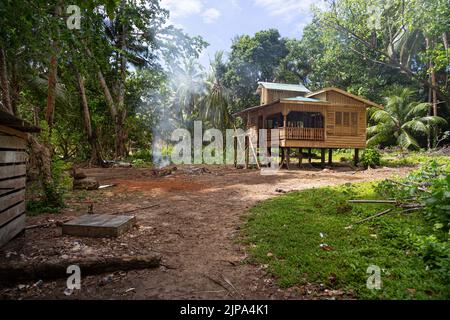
99,225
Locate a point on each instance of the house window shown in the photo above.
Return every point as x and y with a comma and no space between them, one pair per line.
339,118
346,123
346,117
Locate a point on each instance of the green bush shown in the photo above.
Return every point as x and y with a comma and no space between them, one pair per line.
52,197
370,158
437,203
430,187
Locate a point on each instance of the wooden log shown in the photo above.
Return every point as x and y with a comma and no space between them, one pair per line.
23,271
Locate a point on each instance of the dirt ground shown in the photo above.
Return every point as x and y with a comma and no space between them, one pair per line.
194,227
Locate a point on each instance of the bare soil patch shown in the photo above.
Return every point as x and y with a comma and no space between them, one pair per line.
194,225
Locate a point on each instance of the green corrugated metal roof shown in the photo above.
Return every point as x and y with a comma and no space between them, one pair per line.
302,99
284,86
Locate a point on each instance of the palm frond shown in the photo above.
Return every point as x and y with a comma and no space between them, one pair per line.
416,126
417,110
382,116
434,120
405,140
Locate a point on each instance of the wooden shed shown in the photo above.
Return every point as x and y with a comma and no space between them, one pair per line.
326,119
13,142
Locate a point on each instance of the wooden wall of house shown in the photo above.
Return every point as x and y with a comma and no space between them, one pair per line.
12,183
268,96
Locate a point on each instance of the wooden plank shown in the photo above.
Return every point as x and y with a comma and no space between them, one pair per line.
11,213
12,156
12,171
12,229
16,183
11,199
12,142
13,132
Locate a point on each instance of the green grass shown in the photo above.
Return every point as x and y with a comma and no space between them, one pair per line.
288,229
395,158
412,158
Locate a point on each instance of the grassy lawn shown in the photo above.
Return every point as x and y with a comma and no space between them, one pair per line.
285,234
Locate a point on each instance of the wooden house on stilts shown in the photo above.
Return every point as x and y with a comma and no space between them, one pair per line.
327,119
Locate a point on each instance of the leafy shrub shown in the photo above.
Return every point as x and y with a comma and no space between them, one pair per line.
370,158
430,187
143,154
435,253
437,203
52,198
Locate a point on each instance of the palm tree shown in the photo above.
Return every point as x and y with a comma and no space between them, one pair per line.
216,103
402,119
187,82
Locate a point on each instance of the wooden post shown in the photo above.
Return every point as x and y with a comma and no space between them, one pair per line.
322,157
288,151
246,146
300,157
330,156
235,143
356,158
309,155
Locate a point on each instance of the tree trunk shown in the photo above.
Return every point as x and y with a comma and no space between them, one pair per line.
432,80
121,150
15,88
40,162
96,158
118,118
51,94
6,98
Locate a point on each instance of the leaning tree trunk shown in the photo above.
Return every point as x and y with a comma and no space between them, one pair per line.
96,158
118,117
118,114
4,83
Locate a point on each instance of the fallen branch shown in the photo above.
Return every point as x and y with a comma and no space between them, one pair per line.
369,218
23,271
46,225
137,209
373,201
394,202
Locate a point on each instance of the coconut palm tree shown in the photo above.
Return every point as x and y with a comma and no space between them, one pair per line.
187,82
402,119
216,102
